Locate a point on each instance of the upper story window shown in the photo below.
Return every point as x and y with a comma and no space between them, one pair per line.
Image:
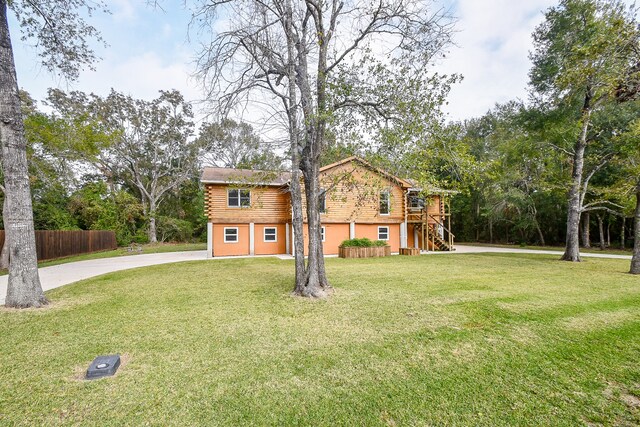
238,198
416,202
385,202
322,201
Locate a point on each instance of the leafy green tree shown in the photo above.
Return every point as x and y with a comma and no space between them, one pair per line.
150,146
584,51
95,207
232,144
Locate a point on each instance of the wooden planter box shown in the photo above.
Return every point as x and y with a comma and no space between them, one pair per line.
410,251
377,251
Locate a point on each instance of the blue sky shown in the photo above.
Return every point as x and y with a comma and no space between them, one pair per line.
149,50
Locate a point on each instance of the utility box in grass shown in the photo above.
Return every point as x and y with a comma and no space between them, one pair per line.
103,366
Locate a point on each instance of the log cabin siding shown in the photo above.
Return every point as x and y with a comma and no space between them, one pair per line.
353,194
268,205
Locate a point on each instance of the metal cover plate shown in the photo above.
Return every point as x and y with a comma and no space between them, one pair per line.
103,366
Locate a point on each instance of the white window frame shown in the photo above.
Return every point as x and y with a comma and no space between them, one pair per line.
239,190
323,233
275,235
388,230
237,235
388,196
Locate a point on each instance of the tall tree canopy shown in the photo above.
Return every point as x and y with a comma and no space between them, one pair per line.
62,36
585,51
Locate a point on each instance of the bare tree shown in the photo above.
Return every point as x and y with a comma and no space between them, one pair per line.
61,34
314,58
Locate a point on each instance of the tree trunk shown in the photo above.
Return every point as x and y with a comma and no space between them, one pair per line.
153,231
315,284
635,260
540,235
24,289
601,232
572,247
622,231
291,107
490,231
586,228
4,254
608,231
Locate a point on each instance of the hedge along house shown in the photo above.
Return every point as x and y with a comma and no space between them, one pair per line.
249,212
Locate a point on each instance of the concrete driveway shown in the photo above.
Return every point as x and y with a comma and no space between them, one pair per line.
468,249
63,274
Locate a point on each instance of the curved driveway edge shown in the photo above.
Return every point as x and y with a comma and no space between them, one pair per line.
64,274
469,249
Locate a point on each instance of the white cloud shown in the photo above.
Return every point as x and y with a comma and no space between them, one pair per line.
123,10
494,39
141,76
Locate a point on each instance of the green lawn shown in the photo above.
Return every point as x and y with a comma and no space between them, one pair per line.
492,339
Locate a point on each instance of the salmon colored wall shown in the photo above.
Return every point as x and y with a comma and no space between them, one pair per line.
334,234
371,231
270,248
220,248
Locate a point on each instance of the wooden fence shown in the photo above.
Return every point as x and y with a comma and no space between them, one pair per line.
52,244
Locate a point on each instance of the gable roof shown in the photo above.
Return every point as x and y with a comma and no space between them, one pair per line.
403,183
211,175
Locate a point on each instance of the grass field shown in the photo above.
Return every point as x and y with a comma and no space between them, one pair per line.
493,340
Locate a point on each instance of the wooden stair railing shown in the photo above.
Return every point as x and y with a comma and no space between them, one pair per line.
445,245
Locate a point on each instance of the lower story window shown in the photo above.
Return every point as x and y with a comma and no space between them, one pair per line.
383,233
231,234
270,234
322,232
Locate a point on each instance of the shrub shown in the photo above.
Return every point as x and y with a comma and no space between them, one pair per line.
174,229
362,243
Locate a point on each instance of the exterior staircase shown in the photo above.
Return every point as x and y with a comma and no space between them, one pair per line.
439,243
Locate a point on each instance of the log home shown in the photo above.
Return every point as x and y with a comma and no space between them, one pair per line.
249,212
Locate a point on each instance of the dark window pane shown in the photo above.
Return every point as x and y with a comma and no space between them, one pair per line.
384,202
383,233
231,234
322,200
245,198
233,198
269,234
